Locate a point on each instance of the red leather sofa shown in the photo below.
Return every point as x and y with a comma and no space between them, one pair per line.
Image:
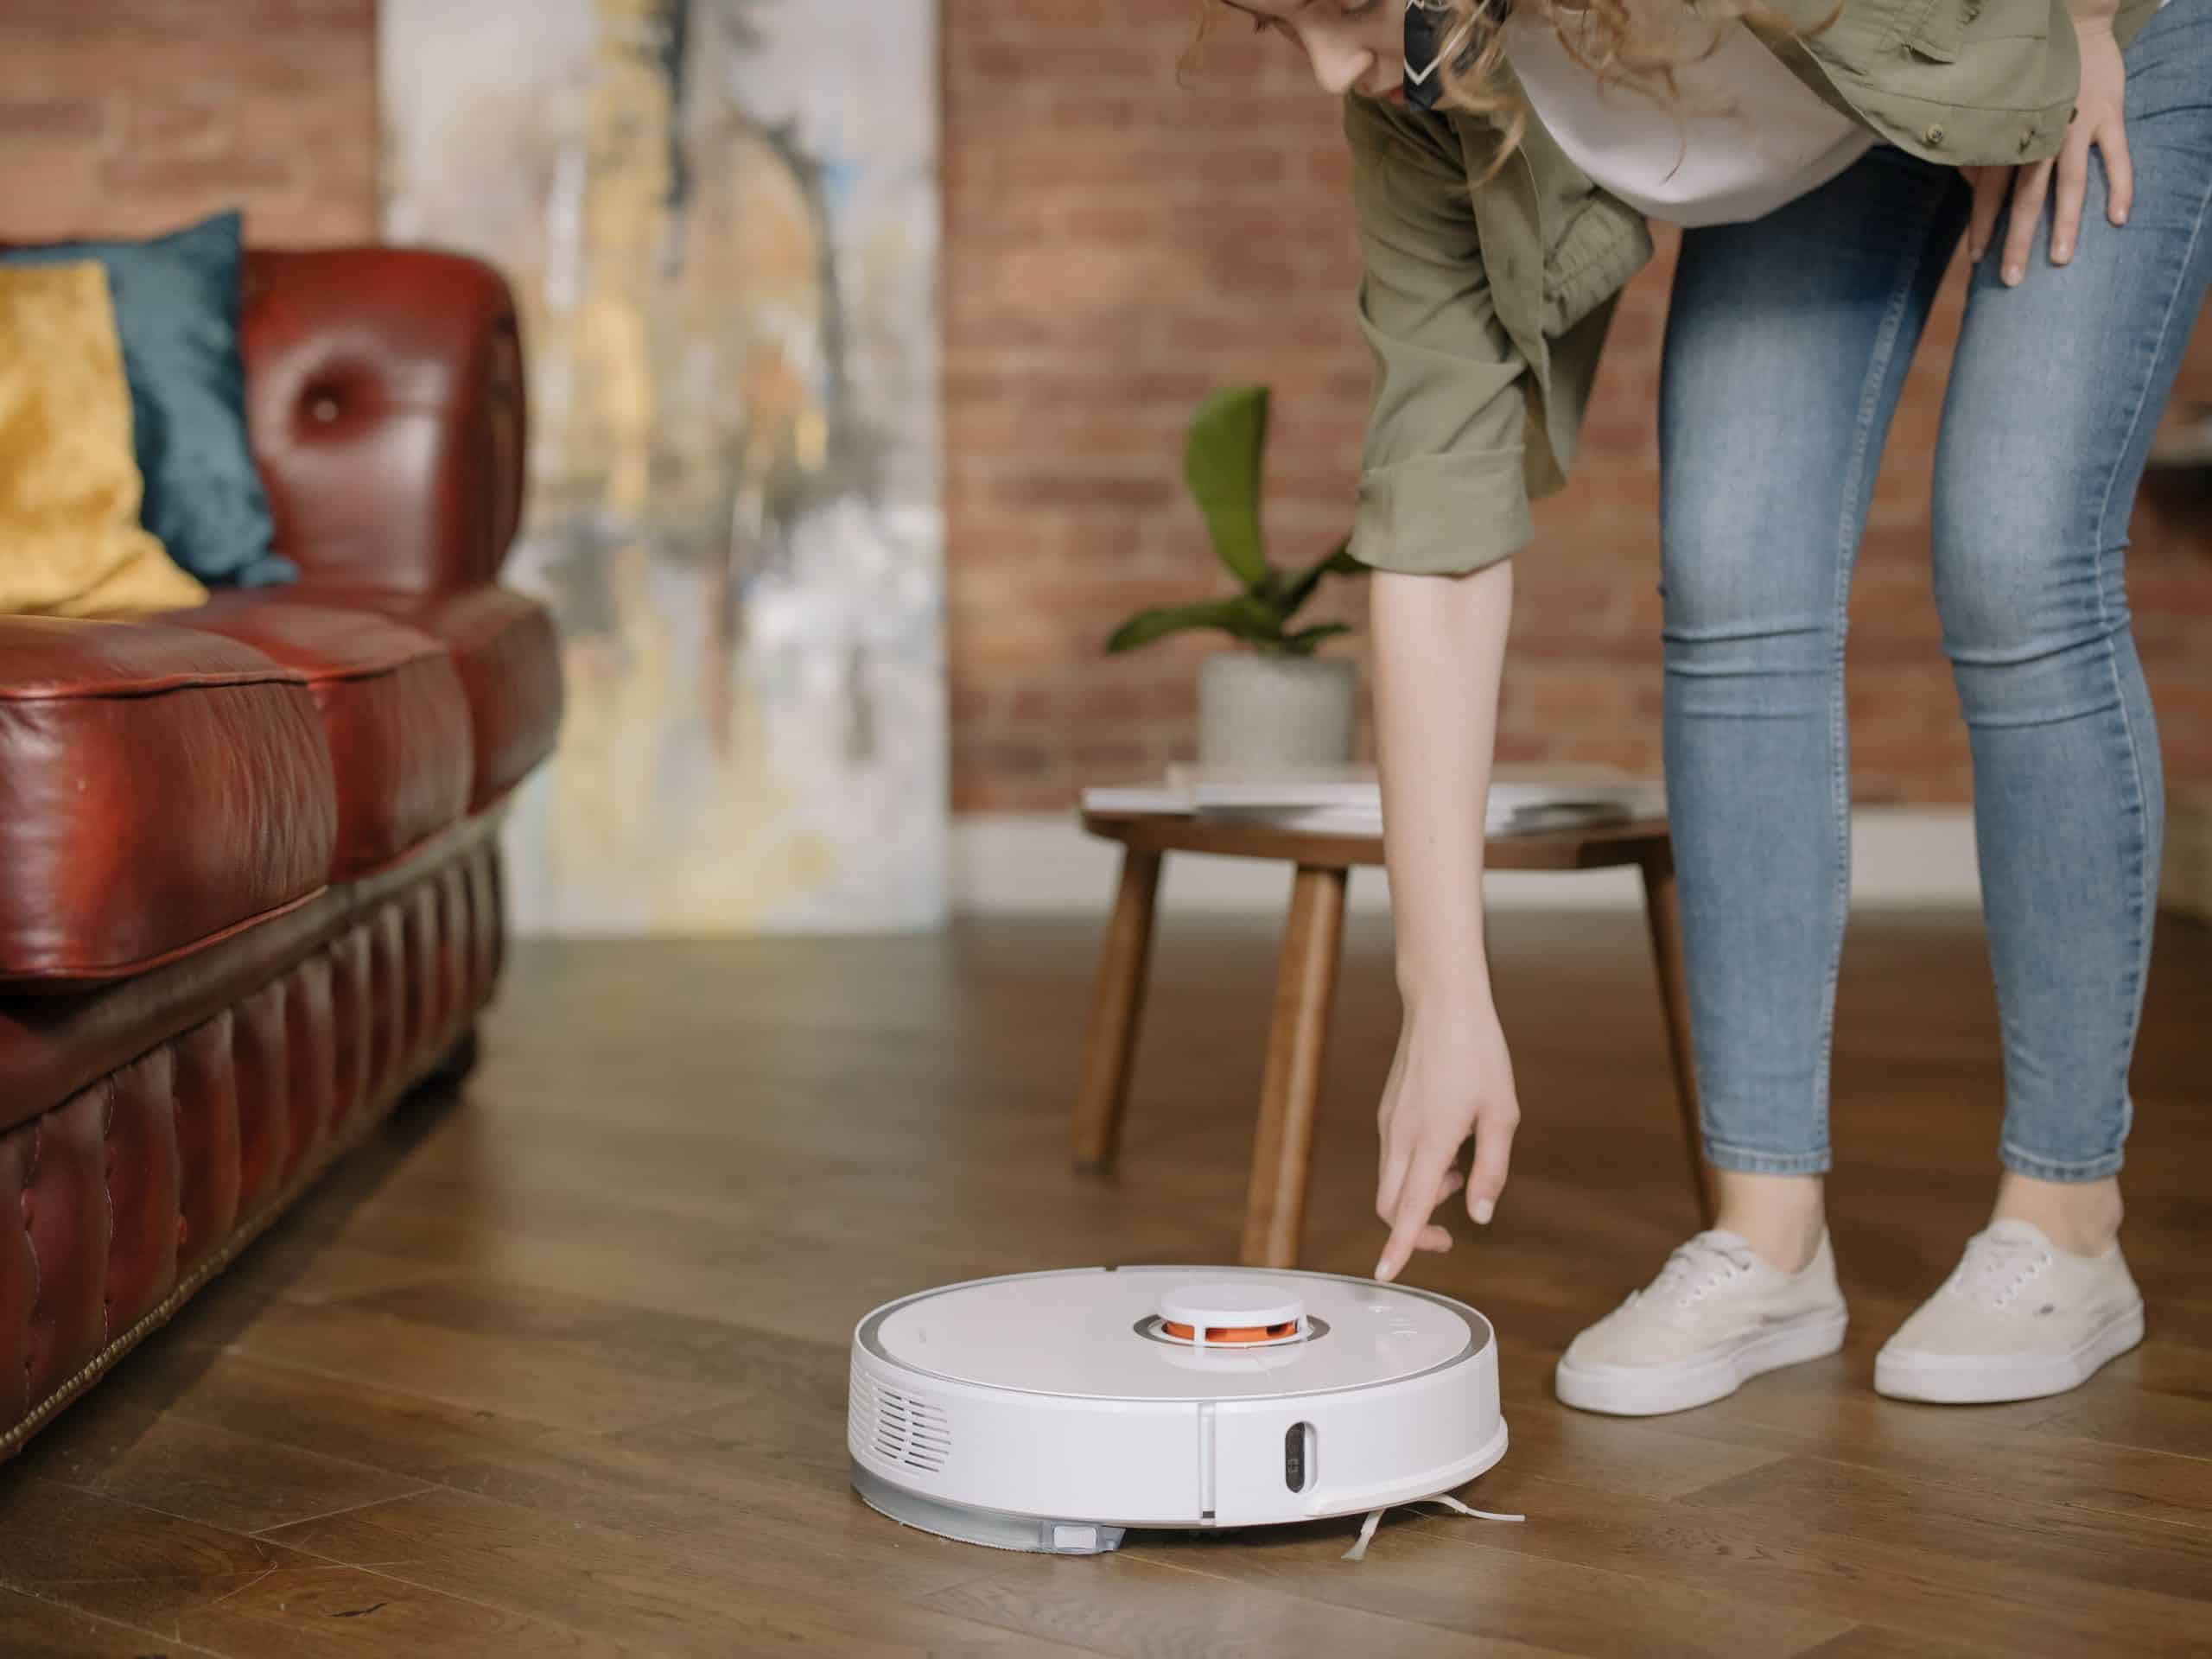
250,883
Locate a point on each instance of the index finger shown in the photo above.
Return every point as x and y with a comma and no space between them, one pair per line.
1417,1199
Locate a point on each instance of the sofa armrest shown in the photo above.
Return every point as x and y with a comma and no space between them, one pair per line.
385,398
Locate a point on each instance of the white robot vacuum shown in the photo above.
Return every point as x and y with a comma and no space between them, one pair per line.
1055,1411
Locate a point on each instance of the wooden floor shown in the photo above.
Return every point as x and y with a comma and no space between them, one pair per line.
560,1367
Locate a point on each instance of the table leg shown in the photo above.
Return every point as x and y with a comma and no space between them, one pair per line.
1305,988
1116,1011
1662,910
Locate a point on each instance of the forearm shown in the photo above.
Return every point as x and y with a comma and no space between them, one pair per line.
1439,643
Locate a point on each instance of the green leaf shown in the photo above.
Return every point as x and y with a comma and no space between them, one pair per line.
1307,640
1244,617
1297,589
1228,437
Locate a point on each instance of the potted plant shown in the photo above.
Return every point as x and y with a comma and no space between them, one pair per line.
1276,704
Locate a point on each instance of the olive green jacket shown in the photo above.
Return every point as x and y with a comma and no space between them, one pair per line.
1486,297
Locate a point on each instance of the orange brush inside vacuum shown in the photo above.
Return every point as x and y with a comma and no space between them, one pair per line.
1230,1333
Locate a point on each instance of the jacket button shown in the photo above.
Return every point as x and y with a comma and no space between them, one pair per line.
2027,141
1932,137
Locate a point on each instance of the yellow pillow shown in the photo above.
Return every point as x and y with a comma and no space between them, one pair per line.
70,540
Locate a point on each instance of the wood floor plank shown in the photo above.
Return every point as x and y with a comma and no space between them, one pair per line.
301,1612
1140,1608
537,1380
336,1272
117,1561
1641,1456
1764,1560
31,1628
240,1483
1456,1582
2067,1555
2044,1582
184,1587
707,1591
717,1355
651,1479
1964,1450
1881,1641
2164,1425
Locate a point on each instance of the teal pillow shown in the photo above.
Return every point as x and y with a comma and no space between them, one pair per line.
176,310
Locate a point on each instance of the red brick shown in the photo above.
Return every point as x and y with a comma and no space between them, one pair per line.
1086,490
51,121
48,199
1107,761
178,126
217,179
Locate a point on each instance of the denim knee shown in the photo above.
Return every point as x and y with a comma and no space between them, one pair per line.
2030,626
1738,641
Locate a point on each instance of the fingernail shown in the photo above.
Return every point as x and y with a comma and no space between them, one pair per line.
2060,255
2012,274
1484,1210
1975,253
1384,1273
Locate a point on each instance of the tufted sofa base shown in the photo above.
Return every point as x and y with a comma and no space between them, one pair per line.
122,1199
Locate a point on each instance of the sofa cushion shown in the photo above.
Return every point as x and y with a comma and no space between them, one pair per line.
510,661
393,715
160,789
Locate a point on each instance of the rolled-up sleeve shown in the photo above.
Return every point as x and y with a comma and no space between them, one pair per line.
1443,488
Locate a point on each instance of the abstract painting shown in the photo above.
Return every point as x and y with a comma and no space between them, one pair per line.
719,220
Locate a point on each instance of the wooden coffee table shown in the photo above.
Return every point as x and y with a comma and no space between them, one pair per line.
1306,985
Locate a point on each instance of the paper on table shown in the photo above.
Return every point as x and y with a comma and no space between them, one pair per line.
1273,786
1138,798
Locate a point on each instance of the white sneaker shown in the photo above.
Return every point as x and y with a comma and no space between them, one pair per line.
1715,1318
2020,1319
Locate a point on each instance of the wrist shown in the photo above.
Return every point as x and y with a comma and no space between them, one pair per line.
1458,984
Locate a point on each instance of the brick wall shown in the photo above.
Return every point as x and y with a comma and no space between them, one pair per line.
1118,244
134,116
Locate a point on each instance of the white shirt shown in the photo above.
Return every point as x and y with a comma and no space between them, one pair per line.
1744,138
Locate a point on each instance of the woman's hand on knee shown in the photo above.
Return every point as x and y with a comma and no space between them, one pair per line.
2099,123
1453,1078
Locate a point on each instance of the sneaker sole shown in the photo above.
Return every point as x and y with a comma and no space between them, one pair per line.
1655,1390
1979,1379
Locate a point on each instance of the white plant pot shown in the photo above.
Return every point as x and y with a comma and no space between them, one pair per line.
1257,711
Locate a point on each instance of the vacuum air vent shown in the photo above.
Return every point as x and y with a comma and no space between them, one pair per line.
900,1428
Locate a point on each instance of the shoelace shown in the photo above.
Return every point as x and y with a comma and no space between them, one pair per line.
1996,1270
1698,1267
